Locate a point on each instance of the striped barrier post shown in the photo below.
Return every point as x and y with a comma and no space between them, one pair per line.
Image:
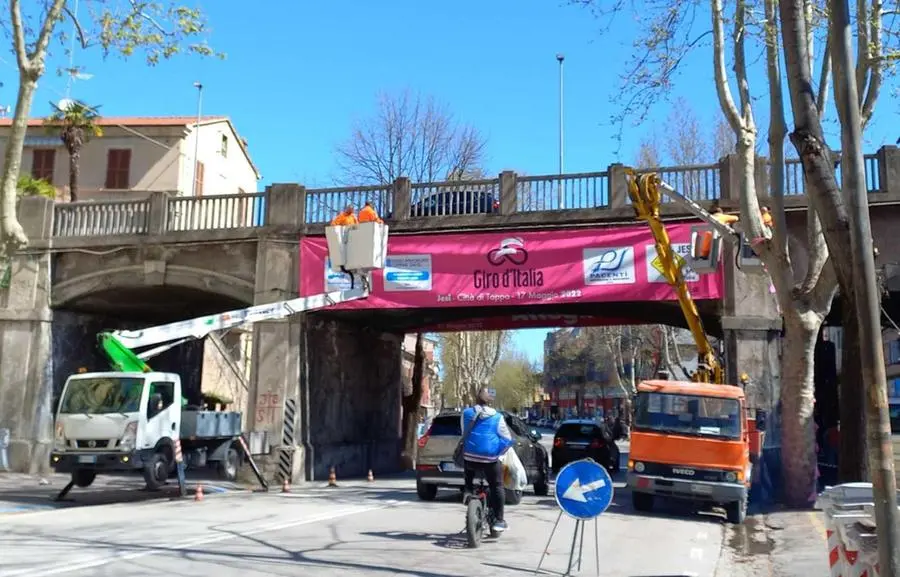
834,547
179,468
286,455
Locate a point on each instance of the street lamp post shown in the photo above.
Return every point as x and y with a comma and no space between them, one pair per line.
562,197
199,87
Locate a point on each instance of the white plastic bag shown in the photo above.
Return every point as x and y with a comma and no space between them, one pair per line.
514,476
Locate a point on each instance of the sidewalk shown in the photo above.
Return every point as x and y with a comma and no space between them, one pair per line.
779,543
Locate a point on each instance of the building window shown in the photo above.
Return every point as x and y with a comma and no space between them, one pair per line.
198,178
223,149
43,161
118,168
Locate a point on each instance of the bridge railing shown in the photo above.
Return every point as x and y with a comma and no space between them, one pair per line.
401,200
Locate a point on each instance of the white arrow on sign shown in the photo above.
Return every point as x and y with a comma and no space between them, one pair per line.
576,490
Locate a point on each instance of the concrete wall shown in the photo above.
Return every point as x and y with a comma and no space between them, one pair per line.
354,399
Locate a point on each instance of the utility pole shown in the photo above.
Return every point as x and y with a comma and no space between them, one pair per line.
562,194
868,309
199,88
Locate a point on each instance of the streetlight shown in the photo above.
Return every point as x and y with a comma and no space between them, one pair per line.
562,198
199,87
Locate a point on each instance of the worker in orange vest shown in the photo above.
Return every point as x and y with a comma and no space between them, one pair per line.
368,214
766,216
718,214
345,218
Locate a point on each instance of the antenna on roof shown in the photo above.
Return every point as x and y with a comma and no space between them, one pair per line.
4,111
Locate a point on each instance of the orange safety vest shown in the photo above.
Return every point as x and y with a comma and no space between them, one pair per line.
706,247
767,219
368,214
344,219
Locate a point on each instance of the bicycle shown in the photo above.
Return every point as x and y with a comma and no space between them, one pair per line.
479,515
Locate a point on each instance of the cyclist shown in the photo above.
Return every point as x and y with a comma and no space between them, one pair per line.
488,441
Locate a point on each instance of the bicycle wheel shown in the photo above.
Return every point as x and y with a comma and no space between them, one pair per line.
474,522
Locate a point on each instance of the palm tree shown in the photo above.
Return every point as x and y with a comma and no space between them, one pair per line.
76,123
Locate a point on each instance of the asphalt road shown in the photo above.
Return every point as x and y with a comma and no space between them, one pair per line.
358,529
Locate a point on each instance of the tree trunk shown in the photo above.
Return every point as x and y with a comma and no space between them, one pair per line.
74,159
12,235
412,405
798,449
852,452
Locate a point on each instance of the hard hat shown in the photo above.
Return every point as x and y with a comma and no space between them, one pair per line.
745,377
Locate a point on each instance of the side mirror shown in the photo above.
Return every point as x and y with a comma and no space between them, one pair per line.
761,420
536,434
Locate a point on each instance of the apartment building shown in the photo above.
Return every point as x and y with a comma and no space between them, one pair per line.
140,155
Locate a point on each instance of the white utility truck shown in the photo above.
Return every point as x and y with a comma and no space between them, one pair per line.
128,420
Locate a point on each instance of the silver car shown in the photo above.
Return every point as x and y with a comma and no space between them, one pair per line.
435,467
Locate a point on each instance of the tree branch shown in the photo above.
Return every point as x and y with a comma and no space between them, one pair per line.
15,14
726,101
875,64
82,37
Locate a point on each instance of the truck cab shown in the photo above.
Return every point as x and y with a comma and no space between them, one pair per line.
693,441
117,421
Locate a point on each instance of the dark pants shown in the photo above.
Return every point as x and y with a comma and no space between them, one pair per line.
493,475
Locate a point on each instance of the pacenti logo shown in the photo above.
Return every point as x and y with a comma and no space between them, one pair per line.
609,265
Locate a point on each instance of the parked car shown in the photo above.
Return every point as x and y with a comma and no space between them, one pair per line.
456,202
582,439
435,467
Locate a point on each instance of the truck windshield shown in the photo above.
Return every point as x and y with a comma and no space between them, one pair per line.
102,396
688,415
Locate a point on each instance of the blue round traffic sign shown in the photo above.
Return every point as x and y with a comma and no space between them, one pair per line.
584,489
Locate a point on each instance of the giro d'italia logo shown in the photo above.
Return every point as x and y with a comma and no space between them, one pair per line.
510,250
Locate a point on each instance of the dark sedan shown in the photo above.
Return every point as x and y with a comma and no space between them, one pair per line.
584,439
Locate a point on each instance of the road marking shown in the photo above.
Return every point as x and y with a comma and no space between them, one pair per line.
70,567
820,527
696,553
702,536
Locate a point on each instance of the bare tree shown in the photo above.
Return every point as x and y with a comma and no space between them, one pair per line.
671,35
159,30
469,361
685,140
413,136
412,404
648,155
723,142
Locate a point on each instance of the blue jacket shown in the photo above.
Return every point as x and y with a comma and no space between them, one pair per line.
490,437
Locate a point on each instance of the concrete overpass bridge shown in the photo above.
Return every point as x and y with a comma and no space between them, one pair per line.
95,265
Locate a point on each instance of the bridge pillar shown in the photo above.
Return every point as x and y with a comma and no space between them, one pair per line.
351,379
751,324
26,370
273,400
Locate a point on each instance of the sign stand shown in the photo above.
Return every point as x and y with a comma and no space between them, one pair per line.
584,490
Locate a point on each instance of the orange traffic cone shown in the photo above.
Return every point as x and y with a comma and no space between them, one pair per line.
332,478
198,494
371,477
285,486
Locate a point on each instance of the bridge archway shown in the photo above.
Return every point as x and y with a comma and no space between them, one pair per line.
155,294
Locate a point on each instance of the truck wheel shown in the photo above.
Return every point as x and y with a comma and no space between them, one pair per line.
229,466
83,477
736,511
642,501
156,471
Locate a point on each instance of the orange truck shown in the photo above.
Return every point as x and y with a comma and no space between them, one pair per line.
693,441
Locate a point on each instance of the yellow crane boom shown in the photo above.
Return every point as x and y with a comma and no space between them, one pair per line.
646,200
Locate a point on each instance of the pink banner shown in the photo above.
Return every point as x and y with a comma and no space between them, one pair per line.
513,268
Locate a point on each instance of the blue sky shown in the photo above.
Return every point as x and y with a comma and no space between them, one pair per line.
297,77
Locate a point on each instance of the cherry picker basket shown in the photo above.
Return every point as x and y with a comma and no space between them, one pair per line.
357,249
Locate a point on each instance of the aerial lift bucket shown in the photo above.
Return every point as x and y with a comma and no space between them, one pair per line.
360,248
706,249
336,237
747,260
